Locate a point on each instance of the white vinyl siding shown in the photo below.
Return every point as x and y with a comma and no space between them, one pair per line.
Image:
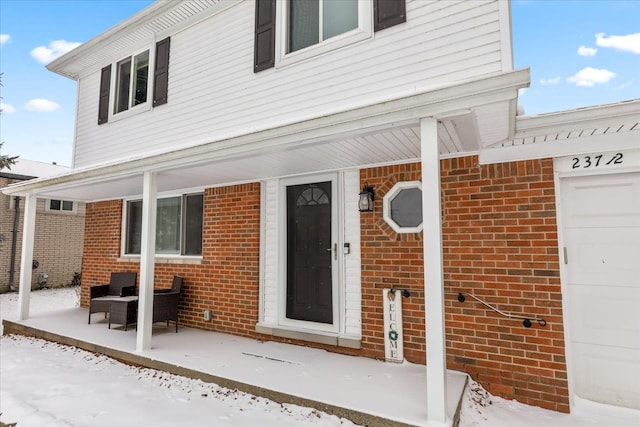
270,286
215,94
353,261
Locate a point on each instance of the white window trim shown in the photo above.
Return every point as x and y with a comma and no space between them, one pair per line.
113,89
283,59
47,207
123,229
386,206
271,286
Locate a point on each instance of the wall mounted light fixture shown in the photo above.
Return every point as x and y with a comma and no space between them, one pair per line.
365,202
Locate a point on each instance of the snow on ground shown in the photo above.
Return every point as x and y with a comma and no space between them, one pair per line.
51,385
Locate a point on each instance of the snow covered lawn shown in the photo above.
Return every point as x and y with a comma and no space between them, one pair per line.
46,384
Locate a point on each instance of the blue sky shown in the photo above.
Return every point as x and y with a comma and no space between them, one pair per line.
581,53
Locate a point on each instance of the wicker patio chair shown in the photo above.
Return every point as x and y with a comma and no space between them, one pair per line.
165,307
176,285
120,285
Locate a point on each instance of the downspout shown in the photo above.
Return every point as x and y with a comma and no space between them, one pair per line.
14,244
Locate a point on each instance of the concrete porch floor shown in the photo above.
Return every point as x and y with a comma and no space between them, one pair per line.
365,391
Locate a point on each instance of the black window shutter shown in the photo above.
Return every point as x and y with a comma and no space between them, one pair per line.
265,35
388,13
103,102
161,72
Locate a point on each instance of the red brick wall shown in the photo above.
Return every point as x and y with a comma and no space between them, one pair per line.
101,246
391,259
226,281
499,243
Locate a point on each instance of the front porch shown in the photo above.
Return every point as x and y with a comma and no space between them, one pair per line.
365,391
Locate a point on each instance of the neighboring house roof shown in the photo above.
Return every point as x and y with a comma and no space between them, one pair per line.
583,130
28,169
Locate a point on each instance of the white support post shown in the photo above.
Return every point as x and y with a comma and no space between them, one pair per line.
26,257
433,274
147,261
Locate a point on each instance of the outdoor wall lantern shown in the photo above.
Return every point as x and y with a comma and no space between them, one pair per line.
365,203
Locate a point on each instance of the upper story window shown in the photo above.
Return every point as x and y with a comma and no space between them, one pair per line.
288,31
308,28
132,82
313,21
132,72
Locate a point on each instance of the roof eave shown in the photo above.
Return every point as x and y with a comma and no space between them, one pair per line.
62,64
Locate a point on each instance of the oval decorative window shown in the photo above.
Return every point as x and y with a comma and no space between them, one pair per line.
402,207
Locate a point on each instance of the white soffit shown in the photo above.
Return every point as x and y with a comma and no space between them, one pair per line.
605,127
398,145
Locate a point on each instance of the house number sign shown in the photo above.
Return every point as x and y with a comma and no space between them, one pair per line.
599,160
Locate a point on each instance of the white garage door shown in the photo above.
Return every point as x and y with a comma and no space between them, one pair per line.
601,220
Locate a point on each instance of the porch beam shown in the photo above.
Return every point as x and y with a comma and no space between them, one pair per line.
26,257
433,274
147,260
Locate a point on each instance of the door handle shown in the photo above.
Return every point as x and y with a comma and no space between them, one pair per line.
334,249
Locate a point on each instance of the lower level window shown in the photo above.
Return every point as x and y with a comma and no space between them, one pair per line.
60,205
178,225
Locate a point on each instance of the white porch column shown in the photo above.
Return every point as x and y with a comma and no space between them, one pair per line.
433,275
26,257
147,261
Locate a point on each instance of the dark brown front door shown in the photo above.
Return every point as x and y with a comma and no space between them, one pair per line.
309,252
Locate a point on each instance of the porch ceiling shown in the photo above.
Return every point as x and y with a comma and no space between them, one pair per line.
389,146
470,116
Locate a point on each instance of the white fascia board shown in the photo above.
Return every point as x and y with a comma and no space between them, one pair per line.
495,88
559,148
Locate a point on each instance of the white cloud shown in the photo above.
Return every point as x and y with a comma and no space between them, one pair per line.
628,43
61,140
56,48
41,105
4,38
587,51
588,77
552,81
6,108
